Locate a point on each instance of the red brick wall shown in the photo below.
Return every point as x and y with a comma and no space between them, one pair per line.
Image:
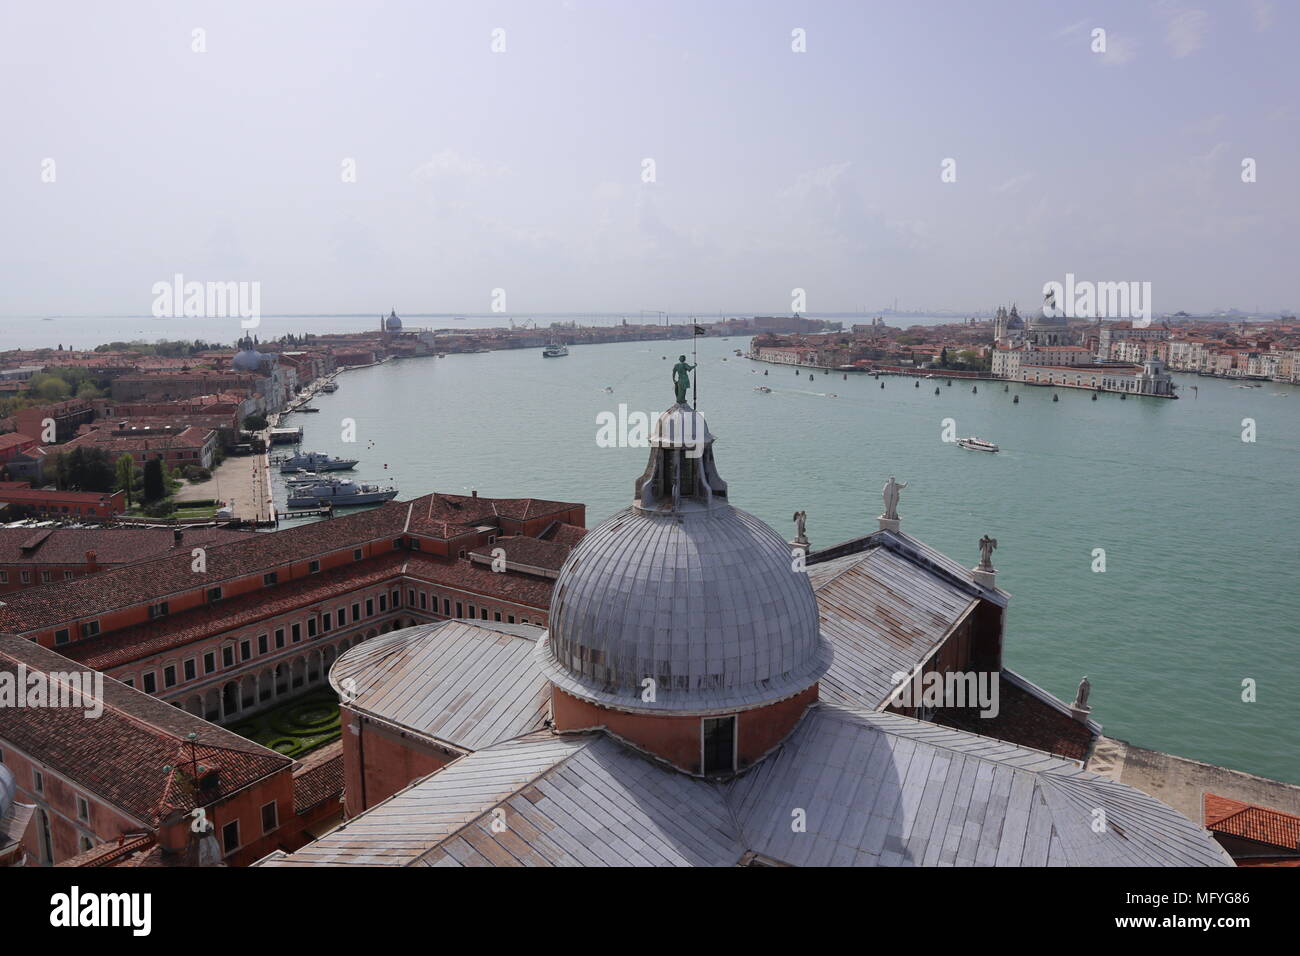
378,761
678,739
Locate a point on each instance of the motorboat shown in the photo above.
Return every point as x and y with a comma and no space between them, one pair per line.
555,350
977,444
762,388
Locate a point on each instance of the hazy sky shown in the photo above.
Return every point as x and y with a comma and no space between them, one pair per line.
523,169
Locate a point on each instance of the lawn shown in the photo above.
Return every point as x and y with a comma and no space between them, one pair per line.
296,726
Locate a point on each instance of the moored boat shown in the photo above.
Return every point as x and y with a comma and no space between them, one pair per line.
339,494
315,461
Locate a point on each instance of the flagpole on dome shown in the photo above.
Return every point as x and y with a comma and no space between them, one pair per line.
695,360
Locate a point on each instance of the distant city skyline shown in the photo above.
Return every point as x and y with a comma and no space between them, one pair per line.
606,155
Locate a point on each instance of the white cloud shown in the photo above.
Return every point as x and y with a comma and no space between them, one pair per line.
1014,183
1263,13
1119,50
1184,28
450,163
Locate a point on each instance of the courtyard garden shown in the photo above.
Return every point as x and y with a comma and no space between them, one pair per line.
295,727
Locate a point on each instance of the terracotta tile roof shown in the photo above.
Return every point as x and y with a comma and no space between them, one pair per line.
144,640
124,755
523,550
480,579
151,581
320,778
430,514
1250,822
111,545
12,439
566,534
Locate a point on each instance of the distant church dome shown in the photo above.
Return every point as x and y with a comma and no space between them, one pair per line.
393,323
686,590
247,359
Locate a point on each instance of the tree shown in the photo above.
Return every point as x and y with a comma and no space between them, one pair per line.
155,486
125,470
85,469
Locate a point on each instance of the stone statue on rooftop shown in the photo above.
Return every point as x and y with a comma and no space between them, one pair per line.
1081,696
800,526
682,378
987,545
890,492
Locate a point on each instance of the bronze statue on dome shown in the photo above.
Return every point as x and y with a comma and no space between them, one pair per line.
682,378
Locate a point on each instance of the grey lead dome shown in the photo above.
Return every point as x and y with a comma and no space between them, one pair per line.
699,596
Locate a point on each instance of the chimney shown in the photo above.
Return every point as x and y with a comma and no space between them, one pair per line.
178,534
92,562
473,492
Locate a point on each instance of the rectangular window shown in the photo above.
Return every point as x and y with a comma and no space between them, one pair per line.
460,610
209,662
279,638
230,836
719,744
263,643
38,781
313,567
510,619
90,629
214,595
342,616
190,671
356,555
370,607
424,600
383,603
245,650
496,615
26,576
297,632
483,613
270,819
46,577
271,577
169,675
61,636
396,598
158,610
356,612
446,607
67,575
398,544
83,810
228,656
410,597
326,622
415,544
149,682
